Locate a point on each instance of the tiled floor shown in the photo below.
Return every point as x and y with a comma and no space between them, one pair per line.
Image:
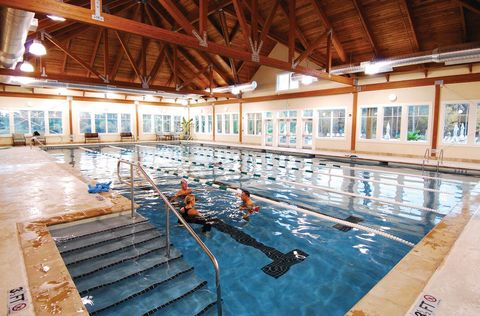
32,186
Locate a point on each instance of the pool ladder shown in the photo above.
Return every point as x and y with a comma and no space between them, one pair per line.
169,207
426,157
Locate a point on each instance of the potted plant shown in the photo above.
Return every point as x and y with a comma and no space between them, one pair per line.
186,128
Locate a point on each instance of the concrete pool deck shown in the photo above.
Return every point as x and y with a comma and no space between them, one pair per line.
36,191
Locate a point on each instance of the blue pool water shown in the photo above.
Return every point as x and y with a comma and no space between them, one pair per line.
341,266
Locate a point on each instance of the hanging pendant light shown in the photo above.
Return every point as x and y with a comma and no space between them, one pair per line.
37,48
26,67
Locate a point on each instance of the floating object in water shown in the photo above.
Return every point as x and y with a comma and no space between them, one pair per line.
99,187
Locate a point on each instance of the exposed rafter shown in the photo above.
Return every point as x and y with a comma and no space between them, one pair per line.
94,51
407,14
362,16
323,17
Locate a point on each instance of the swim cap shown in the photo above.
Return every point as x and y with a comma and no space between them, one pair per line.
184,181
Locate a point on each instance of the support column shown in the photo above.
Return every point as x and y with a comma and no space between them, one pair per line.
137,134
353,139
436,117
70,117
240,123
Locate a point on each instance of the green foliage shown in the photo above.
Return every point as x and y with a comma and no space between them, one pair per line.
186,127
413,136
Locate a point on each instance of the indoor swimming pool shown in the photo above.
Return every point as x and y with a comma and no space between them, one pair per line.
303,200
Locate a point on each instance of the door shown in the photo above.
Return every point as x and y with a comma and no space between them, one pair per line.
287,132
307,133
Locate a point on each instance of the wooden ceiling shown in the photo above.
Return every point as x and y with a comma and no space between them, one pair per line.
361,30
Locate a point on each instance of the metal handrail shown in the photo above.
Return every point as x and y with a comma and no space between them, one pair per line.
426,157
180,218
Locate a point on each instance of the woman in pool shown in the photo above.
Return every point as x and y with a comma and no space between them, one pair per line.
192,215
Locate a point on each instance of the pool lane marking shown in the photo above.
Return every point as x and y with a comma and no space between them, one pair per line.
330,190
278,203
332,165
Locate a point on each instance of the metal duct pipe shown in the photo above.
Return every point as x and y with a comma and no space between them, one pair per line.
459,56
235,89
14,29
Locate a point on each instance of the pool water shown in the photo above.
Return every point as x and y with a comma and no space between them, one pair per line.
341,267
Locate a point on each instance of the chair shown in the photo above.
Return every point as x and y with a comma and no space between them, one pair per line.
127,136
92,137
160,136
19,140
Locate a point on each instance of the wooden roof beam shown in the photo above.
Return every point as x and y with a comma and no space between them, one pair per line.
470,7
242,21
157,65
124,46
292,25
94,52
366,28
73,56
126,25
407,14
316,43
323,17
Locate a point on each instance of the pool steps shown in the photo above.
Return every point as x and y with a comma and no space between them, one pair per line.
119,262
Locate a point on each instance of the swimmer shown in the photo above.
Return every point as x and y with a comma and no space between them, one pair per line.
247,204
183,192
192,215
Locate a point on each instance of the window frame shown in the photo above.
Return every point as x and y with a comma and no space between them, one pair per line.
316,117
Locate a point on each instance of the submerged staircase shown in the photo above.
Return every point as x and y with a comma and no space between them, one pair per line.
119,266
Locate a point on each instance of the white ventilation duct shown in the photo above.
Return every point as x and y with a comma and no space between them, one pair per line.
14,25
235,89
385,65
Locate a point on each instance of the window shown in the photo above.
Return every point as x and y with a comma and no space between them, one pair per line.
157,123
125,123
392,117
177,124
112,123
37,121
203,123
100,123
307,113
147,123
477,133
167,123
85,122
55,122
254,123
235,123
219,123
197,124
20,122
285,82
4,122
369,123
331,123
417,122
456,123
209,124
227,124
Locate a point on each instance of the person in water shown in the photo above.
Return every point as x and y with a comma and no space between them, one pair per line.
192,215
183,192
248,205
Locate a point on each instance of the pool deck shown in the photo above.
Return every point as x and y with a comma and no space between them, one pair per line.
36,192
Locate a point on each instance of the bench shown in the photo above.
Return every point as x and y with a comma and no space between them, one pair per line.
19,140
127,136
91,137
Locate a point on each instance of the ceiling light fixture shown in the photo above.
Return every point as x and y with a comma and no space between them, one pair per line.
372,68
26,67
37,48
56,18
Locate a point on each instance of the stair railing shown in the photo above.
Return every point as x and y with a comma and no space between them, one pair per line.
426,158
169,207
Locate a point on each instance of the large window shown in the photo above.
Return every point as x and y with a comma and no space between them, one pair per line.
254,123
20,122
147,123
112,123
177,124
85,122
227,123
331,123
197,124
477,133
392,118
4,122
167,123
219,124
126,123
417,122
55,122
158,123
203,123
369,123
456,123
285,82
235,123
100,122
37,121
